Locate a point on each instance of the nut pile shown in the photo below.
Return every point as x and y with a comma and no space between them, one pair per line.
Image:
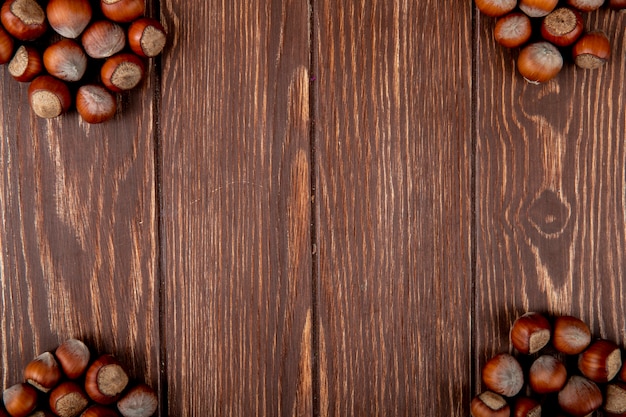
559,371
546,30
77,49
68,383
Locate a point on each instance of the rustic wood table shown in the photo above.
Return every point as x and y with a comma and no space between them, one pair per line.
316,208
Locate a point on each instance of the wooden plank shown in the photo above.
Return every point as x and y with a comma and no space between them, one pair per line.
551,191
78,240
236,208
393,194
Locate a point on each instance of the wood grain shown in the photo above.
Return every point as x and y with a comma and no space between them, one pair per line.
393,191
236,208
78,233
550,191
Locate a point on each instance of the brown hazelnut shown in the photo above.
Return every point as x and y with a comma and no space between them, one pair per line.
547,374
585,5
48,96
26,64
103,39
43,372
69,17
592,50
615,400
73,356
68,400
146,37
526,407
6,46
539,62
99,411
601,361
489,404
139,401
571,335
513,30
537,8
562,26
105,380
122,72
580,397
123,11
530,332
24,19
503,375
20,400
95,104
495,8
65,60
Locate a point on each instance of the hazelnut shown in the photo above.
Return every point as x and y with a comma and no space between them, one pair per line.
105,380
65,60
20,400
122,72
615,400
489,404
68,400
139,401
24,19
146,37
592,50
530,332
547,374
73,356
562,26
580,397
571,335
537,8
103,39
6,46
95,104
513,30
495,8
99,411
585,5
123,11
526,407
601,361
503,374
538,62
69,17
26,64
48,96
43,372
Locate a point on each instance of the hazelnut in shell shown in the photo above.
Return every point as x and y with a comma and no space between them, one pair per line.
592,50
571,335
146,37
20,399
562,27
123,11
580,397
537,8
105,380
538,63
103,39
547,374
95,104
531,331
140,401
503,375
26,64
495,8
73,356
69,18
48,96
526,407
513,30
43,372
6,46
68,400
65,60
489,404
24,19
601,361
122,72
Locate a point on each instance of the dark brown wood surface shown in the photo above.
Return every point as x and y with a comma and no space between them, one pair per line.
316,208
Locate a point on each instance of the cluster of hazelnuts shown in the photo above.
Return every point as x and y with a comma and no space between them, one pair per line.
560,371
111,39
545,30
68,383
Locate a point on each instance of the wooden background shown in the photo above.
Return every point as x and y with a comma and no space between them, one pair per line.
316,208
